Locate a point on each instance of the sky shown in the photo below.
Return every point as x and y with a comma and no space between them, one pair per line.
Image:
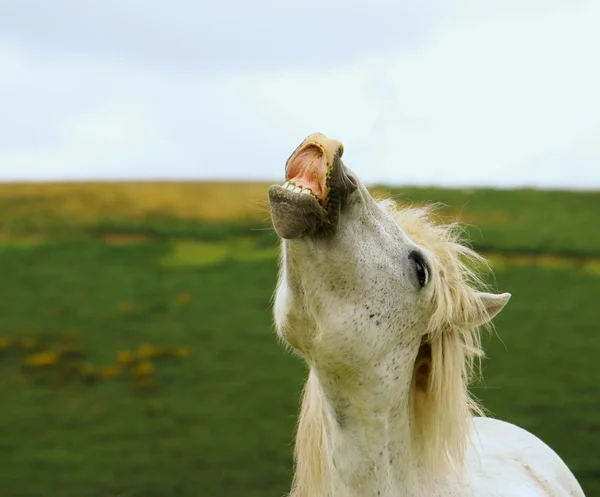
438,92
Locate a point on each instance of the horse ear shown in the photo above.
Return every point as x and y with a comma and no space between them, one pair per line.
491,306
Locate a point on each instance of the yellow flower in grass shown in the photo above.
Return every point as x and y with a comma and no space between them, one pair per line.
147,351
110,371
125,357
41,359
153,352
144,378
144,368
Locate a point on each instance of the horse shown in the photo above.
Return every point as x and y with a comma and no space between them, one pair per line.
386,305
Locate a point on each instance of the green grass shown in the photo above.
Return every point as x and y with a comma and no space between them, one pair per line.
228,418
221,421
542,371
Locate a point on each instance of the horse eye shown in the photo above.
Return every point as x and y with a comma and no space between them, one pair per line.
421,268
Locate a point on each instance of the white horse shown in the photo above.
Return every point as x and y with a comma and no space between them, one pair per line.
385,307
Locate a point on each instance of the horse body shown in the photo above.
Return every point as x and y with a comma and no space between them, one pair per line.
384,306
509,461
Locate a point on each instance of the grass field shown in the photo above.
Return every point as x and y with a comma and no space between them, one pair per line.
98,281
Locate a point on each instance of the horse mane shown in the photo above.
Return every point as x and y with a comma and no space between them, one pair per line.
310,452
442,407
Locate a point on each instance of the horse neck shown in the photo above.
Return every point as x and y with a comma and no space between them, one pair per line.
355,442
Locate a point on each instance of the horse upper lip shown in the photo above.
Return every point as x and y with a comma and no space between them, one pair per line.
330,148
310,165
315,190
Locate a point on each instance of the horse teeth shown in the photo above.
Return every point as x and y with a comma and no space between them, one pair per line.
306,191
290,186
285,185
297,189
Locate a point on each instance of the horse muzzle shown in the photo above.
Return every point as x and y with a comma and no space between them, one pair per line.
317,185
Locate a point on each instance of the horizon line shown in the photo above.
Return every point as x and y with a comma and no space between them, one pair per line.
369,184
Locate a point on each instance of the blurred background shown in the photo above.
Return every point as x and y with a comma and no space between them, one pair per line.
137,260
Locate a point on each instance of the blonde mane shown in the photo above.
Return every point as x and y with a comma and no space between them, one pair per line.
440,403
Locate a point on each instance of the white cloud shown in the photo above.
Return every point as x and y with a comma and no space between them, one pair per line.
493,98
219,36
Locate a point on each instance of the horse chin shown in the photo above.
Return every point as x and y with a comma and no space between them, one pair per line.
317,187
295,215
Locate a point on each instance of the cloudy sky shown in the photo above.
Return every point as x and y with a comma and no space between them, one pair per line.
447,92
